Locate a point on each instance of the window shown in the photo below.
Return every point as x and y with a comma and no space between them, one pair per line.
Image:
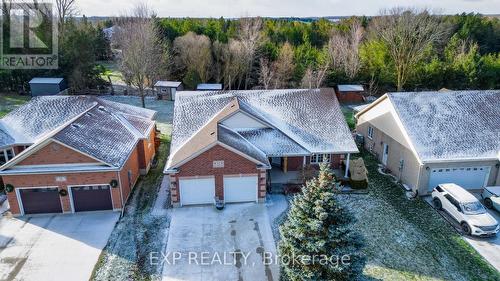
320,158
370,132
452,201
6,155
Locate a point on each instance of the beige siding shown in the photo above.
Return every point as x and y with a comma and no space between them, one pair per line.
397,152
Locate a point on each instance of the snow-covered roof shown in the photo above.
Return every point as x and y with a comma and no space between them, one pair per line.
238,142
273,142
43,80
351,88
303,121
451,125
168,84
105,130
209,87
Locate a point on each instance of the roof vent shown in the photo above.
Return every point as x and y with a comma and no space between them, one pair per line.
212,133
77,126
89,114
101,108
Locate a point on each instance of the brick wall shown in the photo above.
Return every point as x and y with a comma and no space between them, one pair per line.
202,165
131,165
295,163
147,152
69,180
54,153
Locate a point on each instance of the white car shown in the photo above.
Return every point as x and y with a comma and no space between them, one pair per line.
464,208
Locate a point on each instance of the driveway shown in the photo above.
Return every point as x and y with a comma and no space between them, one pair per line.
220,245
488,247
53,247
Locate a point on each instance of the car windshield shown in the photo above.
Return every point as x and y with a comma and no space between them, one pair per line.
473,208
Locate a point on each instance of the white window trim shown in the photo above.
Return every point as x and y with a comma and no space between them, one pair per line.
5,154
315,158
370,132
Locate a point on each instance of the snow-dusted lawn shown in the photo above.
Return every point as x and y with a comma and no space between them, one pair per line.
164,108
9,102
143,229
407,239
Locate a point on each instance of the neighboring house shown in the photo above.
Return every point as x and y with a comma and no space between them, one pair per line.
351,93
209,87
429,138
166,90
74,153
224,144
47,86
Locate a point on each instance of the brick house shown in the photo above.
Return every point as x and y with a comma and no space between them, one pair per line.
74,153
231,145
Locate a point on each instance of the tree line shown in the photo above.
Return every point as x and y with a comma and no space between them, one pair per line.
400,49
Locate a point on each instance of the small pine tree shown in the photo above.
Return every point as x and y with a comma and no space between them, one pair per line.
318,227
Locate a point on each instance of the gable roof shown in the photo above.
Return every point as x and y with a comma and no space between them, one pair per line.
351,88
168,84
302,121
209,87
449,125
43,80
105,130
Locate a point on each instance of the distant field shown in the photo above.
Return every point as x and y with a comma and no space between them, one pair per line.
9,102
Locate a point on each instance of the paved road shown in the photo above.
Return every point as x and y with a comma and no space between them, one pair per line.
53,247
220,245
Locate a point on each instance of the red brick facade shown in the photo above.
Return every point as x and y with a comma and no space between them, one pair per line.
55,153
146,150
202,165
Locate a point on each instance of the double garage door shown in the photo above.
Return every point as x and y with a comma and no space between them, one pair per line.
466,177
47,199
202,190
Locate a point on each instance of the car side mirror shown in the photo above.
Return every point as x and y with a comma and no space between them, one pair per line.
459,210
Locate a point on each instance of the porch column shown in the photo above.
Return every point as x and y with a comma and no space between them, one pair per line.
304,162
285,164
347,165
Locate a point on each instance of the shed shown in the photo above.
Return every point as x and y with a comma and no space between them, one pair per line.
47,86
166,90
350,93
209,87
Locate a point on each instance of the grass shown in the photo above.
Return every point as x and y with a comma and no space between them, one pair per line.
9,102
349,117
138,232
407,239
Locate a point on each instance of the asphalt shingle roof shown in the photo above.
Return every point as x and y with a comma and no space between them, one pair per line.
311,118
451,125
103,129
236,141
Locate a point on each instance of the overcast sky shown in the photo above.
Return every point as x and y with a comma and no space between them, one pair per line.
298,8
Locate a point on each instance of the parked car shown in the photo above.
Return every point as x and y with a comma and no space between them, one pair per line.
491,197
465,209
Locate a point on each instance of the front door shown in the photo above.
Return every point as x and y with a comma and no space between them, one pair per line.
385,154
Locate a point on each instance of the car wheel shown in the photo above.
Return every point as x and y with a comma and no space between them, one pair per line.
437,204
466,228
488,203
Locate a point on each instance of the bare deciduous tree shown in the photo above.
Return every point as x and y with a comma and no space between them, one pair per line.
266,73
314,77
143,54
343,49
284,67
65,9
406,33
194,54
250,36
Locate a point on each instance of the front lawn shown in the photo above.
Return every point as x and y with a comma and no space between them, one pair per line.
9,102
407,239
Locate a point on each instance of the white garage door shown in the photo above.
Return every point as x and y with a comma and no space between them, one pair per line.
240,189
469,177
197,191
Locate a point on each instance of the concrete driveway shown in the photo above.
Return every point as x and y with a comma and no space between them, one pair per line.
206,244
53,247
488,247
